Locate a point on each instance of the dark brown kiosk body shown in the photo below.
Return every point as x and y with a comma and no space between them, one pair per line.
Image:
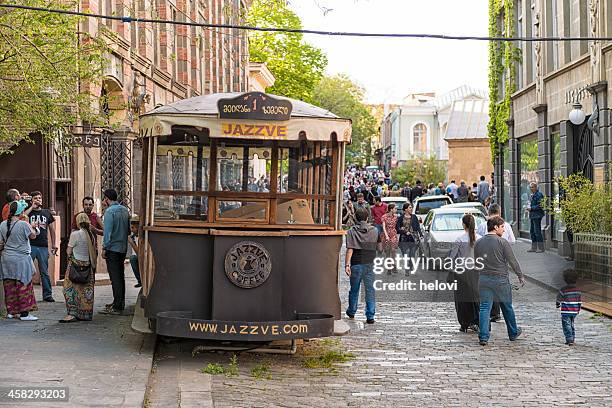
240,221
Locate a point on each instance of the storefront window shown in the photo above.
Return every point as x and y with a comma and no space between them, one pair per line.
528,154
507,210
243,168
556,173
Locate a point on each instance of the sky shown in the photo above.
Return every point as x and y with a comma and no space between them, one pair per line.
389,69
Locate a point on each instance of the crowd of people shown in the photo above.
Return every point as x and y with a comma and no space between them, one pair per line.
27,230
483,294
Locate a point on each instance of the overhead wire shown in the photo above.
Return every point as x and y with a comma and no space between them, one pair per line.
129,19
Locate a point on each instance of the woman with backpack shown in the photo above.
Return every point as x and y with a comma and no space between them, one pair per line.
17,266
80,275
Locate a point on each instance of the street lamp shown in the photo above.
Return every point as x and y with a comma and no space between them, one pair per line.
577,115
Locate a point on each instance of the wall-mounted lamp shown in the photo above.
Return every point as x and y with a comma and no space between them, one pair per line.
577,115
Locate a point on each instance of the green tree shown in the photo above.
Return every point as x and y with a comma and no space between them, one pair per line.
428,170
583,206
47,67
297,66
343,97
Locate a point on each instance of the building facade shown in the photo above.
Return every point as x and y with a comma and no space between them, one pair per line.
469,150
150,64
552,77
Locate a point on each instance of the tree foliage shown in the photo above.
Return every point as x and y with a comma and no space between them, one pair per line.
45,65
583,206
297,66
428,170
341,96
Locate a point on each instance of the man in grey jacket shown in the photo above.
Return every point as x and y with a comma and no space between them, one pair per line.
496,255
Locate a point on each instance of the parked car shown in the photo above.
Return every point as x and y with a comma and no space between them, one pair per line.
473,204
398,201
442,227
423,204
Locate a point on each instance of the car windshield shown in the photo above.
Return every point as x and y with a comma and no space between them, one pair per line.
423,207
452,222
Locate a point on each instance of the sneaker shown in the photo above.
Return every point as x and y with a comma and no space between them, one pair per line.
495,318
532,250
350,316
520,331
49,299
29,317
10,316
474,328
569,342
483,342
370,321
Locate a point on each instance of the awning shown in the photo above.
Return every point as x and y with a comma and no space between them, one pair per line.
201,112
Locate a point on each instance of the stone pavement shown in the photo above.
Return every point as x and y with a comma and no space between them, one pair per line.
102,362
415,356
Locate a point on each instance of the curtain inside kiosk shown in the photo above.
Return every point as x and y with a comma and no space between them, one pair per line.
240,217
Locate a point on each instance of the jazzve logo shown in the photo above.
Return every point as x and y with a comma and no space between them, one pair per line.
272,131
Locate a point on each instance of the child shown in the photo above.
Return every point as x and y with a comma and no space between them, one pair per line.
569,299
133,240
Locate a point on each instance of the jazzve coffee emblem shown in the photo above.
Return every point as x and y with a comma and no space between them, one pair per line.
248,264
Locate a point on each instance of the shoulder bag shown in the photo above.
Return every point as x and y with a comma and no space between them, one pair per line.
81,273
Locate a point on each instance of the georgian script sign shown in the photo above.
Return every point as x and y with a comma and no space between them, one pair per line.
256,106
93,140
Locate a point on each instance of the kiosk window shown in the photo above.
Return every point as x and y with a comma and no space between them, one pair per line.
182,166
305,168
242,210
243,168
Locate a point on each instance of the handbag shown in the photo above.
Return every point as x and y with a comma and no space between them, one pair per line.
80,274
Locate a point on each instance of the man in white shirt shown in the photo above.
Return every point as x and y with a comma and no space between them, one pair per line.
508,235
452,188
495,210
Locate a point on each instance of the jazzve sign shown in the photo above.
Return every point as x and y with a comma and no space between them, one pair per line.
255,105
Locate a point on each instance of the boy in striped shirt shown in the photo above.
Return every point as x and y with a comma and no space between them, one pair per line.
569,300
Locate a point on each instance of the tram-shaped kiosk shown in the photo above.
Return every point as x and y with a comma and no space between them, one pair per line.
240,217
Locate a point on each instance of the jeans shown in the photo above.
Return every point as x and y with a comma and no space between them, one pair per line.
134,264
379,228
41,254
410,249
567,321
365,273
116,272
495,288
535,229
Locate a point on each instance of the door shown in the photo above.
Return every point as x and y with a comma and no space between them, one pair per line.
63,198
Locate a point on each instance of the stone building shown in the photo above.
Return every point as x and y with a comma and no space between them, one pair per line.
469,150
552,78
150,64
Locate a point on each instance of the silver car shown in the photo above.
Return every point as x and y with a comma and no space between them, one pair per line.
443,226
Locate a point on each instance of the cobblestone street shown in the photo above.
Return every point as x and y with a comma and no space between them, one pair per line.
414,356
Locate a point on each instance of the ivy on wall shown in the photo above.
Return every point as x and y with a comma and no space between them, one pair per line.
502,63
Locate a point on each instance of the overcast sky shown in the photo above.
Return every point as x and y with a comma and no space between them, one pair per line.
389,69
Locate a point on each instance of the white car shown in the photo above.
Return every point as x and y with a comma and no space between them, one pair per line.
443,226
398,201
424,204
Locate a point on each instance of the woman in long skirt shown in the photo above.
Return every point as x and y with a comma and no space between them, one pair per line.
17,267
466,294
80,296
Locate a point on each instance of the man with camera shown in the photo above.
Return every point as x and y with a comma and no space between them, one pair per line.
41,219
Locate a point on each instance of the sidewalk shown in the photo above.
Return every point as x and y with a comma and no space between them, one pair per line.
546,270
102,362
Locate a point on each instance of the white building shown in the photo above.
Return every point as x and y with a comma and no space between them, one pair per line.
417,128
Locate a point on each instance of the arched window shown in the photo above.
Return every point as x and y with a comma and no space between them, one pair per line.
420,138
